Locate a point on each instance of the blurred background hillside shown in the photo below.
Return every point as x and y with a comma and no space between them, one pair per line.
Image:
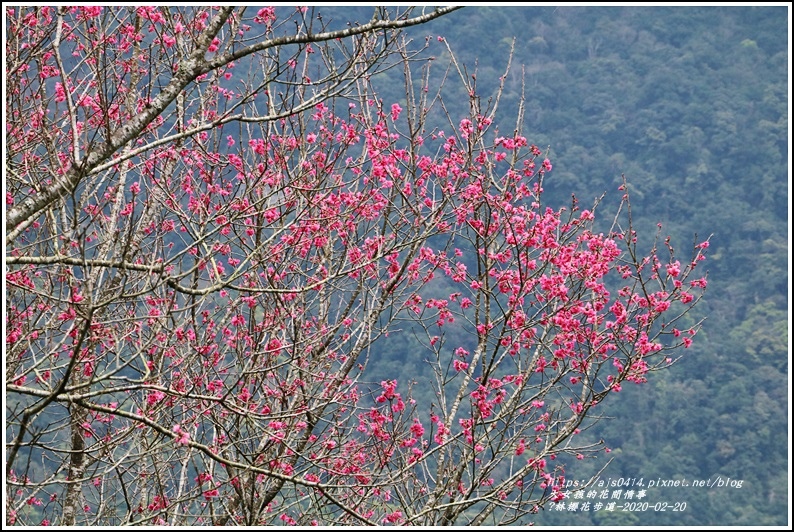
690,103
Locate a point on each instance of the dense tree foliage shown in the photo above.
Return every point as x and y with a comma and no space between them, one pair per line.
690,104
213,218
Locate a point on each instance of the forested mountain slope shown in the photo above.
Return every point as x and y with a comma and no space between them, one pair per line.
690,103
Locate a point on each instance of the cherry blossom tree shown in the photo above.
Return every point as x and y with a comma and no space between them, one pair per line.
212,218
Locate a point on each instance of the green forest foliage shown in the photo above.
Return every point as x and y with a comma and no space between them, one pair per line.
690,103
